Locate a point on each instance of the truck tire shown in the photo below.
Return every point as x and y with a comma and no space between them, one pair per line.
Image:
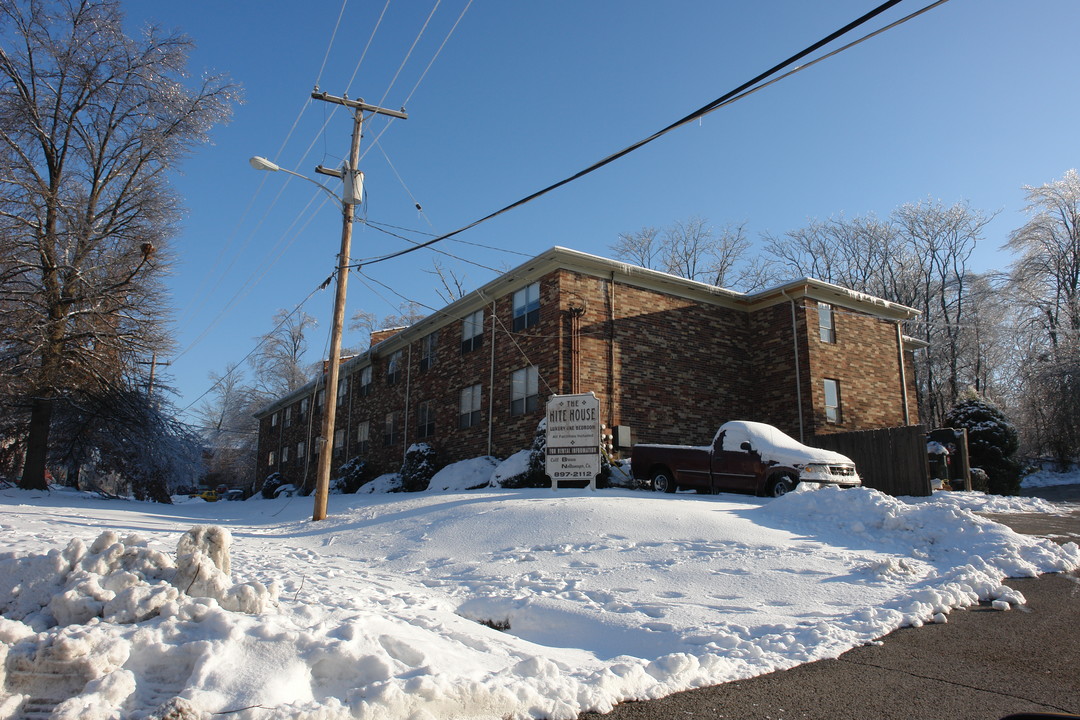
662,481
780,485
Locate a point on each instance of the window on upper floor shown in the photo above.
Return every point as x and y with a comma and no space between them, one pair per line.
427,350
393,368
524,391
365,381
826,322
472,331
273,420
527,307
288,416
342,389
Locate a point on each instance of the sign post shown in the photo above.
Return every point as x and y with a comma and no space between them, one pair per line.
573,439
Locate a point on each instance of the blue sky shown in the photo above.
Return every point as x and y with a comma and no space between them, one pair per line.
969,102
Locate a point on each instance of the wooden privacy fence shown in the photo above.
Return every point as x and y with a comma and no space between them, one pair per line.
892,460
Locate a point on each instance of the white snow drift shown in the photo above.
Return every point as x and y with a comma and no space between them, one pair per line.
389,608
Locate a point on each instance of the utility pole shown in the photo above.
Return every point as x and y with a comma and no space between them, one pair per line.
350,198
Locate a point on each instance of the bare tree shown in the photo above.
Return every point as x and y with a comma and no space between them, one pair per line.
453,287
917,257
409,313
90,123
278,363
229,428
1045,283
641,248
693,249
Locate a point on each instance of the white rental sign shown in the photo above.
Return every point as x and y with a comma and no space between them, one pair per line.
573,438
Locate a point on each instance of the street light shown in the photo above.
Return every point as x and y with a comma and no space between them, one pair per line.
349,199
351,195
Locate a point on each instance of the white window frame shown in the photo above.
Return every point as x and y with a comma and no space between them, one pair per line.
826,323
469,406
472,331
524,390
833,401
527,307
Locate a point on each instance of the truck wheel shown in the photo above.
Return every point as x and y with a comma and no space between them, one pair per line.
780,486
662,482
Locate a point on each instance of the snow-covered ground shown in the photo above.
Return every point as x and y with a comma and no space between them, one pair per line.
1048,478
385,609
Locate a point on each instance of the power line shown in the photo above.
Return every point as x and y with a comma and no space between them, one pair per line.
322,286
733,95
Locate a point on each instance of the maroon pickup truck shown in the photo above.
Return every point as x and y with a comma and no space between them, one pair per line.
745,457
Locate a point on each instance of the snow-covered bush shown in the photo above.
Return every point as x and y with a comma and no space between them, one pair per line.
418,468
350,476
270,485
525,469
992,442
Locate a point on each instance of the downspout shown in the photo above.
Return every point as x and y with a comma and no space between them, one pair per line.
405,421
611,350
798,370
491,380
903,375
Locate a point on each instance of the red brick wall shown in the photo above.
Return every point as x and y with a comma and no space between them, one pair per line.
671,368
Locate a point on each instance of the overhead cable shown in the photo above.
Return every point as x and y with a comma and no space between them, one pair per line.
739,92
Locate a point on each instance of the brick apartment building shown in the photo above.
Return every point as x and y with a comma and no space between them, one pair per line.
670,359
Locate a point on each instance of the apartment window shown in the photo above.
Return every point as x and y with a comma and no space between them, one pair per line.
826,323
832,401
393,368
469,408
363,437
524,392
339,441
320,398
392,428
284,455
303,406
527,307
288,416
365,381
273,420
342,389
427,350
271,458
425,419
300,450
472,331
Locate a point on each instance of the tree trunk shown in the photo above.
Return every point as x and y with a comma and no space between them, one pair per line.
37,445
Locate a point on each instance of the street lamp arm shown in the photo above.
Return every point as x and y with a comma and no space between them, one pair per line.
261,163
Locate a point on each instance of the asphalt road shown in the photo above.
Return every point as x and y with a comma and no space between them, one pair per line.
983,664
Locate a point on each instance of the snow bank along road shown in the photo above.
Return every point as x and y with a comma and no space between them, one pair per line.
389,608
983,664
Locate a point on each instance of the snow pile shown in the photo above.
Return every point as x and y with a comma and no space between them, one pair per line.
122,580
482,604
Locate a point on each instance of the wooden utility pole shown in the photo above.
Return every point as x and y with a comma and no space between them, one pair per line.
350,198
